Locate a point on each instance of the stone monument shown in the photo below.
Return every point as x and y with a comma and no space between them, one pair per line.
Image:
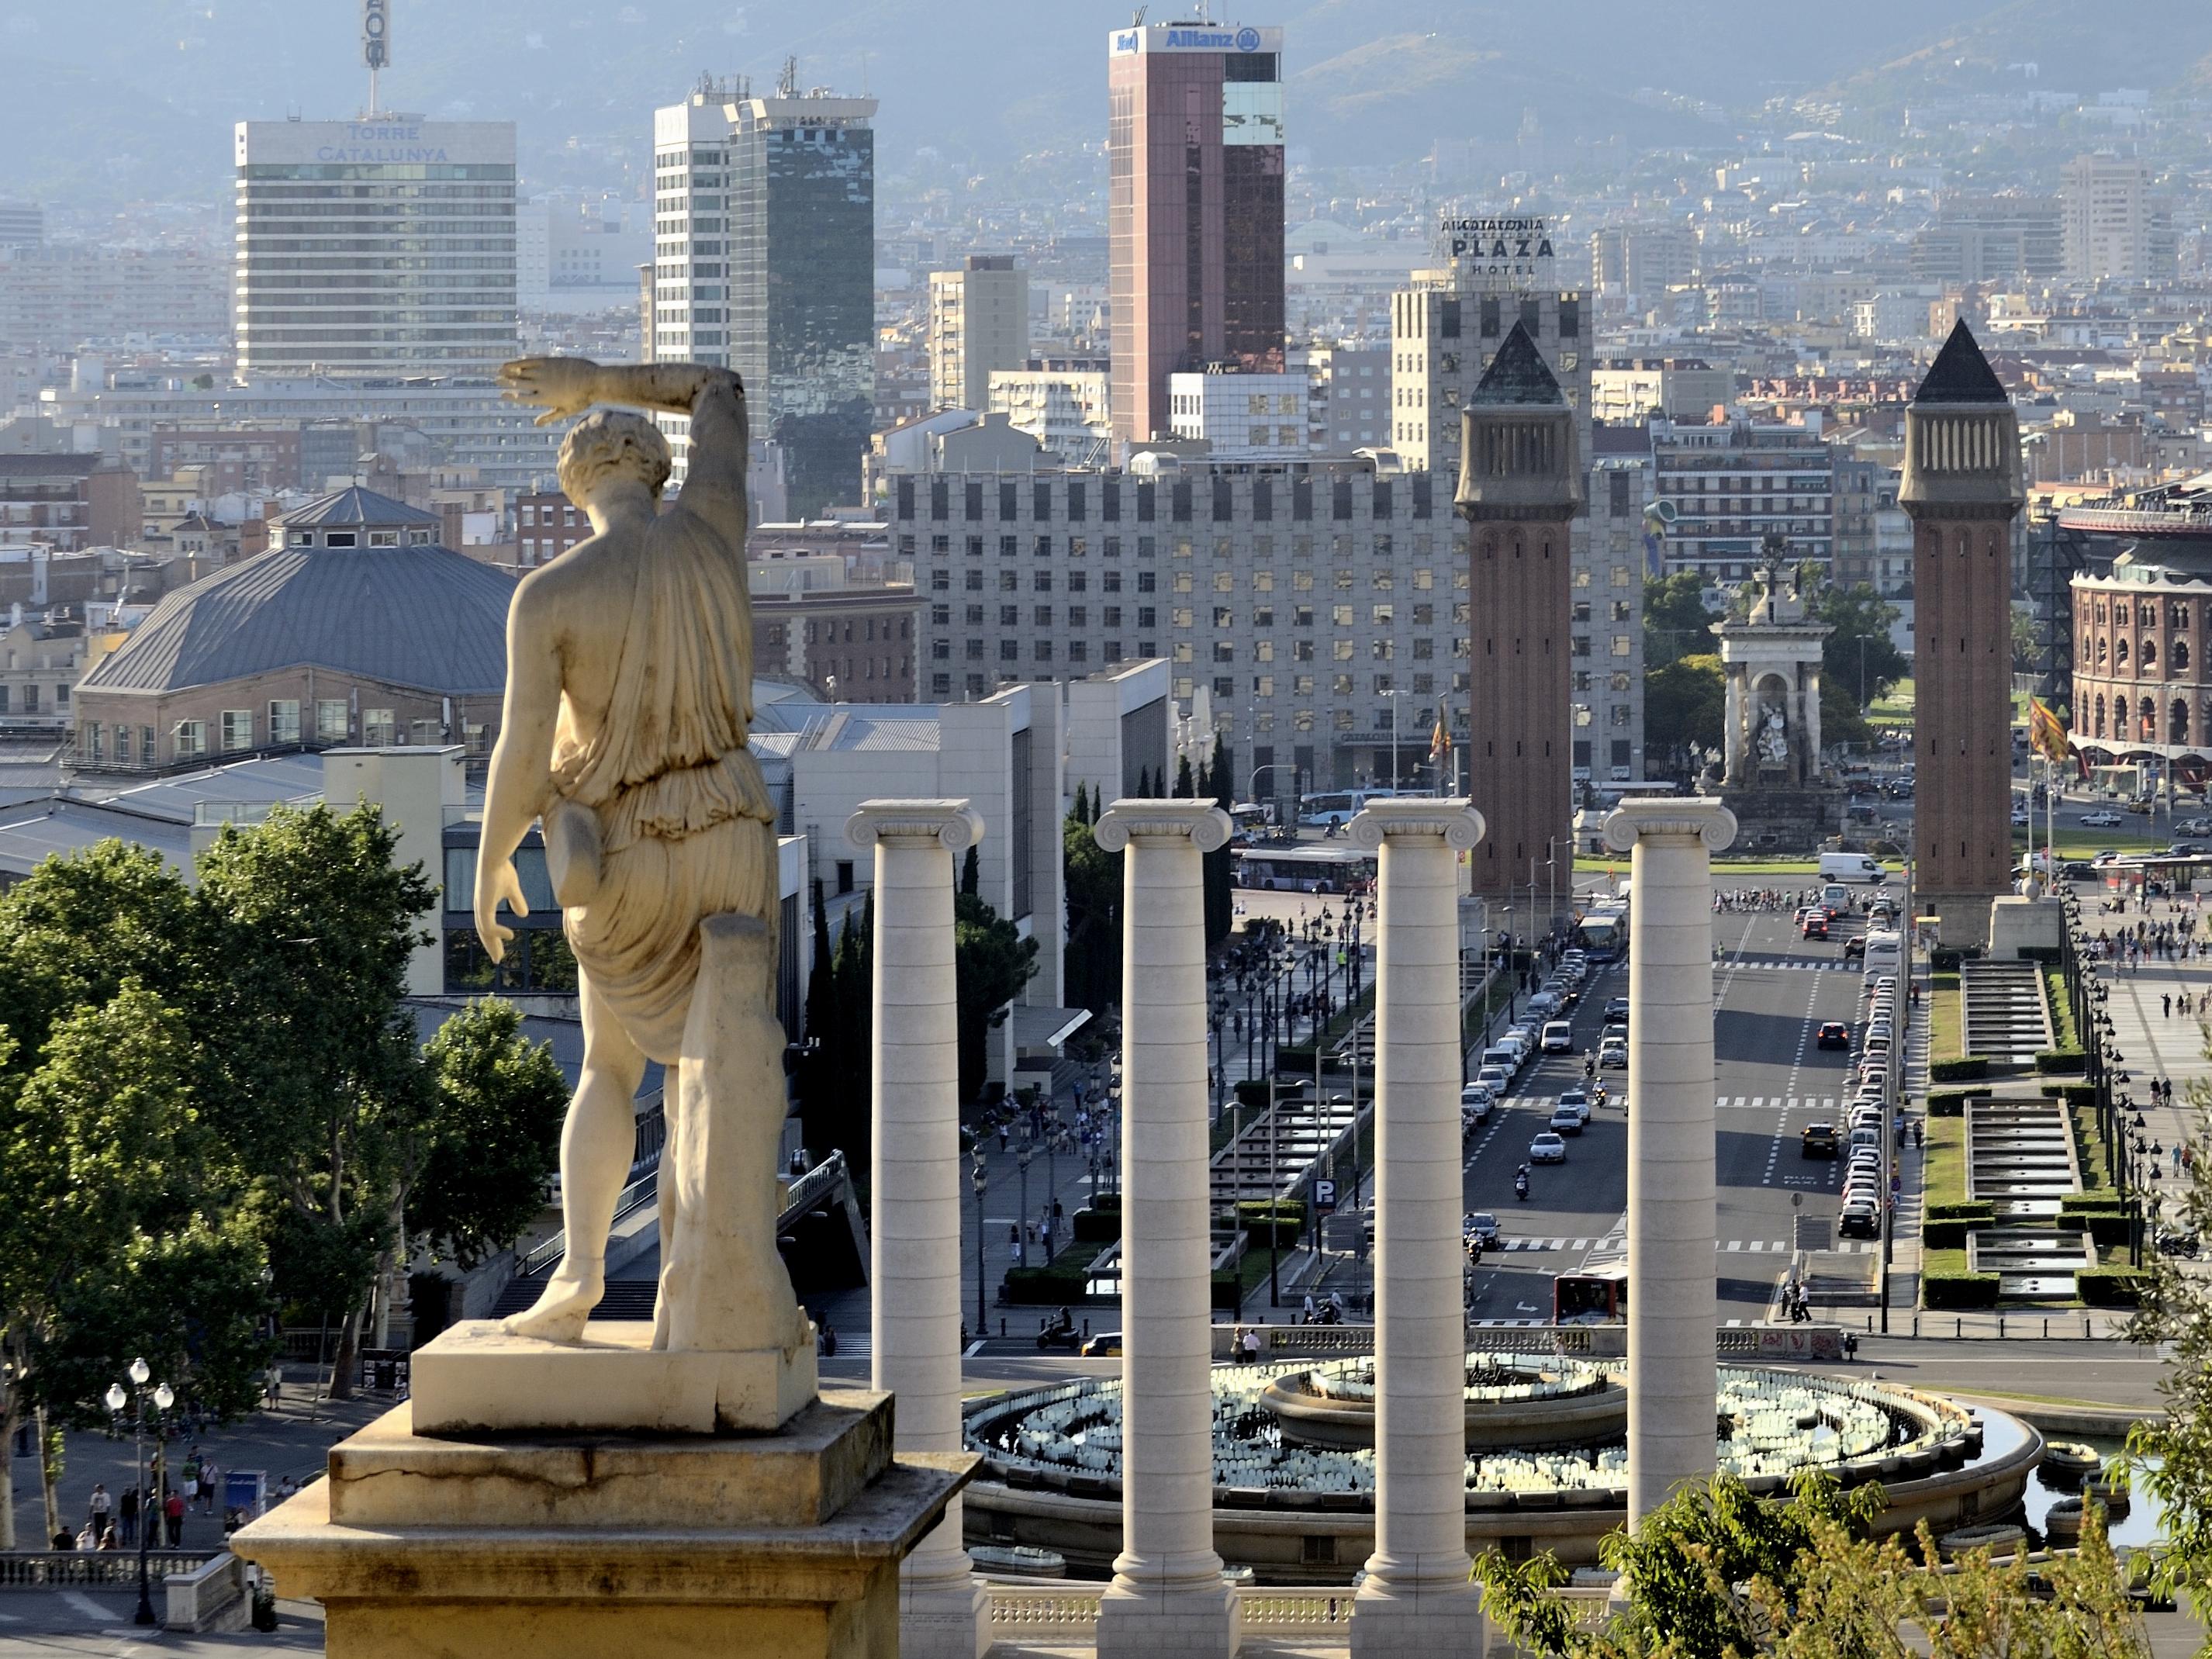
1773,779
556,1486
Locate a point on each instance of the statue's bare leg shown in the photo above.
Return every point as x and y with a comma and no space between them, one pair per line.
597,1144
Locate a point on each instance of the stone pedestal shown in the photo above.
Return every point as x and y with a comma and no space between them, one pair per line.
1671,1302
639,1547
2019,925
1417,1597
914,1243
1167,1597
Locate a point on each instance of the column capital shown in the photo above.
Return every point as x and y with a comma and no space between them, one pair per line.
953,824
1458,824
1702,817
1200,822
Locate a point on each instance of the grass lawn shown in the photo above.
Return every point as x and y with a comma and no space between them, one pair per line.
2134,836
1587,866
2096,1173
1895,709
2062,1011
1946,1029
1945,1169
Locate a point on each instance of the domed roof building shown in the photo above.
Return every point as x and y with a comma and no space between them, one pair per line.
355,627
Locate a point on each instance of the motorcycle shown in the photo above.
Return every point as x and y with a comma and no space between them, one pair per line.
1521,1185
2174,1242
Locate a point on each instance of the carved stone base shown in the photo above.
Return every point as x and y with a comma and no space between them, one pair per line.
476,1378
1784,820
644,1547
1145,1622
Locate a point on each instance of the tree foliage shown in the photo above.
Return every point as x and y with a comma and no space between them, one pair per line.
992,964
1685,703
1676,624
473,1164
1859,655
1716,1573
1093,880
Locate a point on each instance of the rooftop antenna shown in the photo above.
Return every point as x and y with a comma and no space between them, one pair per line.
1138,22
786,85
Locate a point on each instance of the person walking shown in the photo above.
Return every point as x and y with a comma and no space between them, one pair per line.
126,1507
172,1512
210,1486
100,1504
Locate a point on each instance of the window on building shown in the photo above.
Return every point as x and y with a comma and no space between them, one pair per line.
191,739
379,728
284,720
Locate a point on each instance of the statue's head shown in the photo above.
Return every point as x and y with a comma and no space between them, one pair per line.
612,443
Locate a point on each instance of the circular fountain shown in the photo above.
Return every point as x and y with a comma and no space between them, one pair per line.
1547,1467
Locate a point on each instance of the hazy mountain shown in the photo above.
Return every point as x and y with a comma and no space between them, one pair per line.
132,99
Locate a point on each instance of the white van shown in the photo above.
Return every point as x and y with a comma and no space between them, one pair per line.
1851,866
1558,1037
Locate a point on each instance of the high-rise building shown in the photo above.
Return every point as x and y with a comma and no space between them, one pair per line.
1446,332
1962,490
22,224
979,321
375,248
1990,238
1194,159
2108,217
764,228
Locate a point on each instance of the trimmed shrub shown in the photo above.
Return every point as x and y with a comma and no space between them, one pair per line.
1252,1091
1958,1071
1950,1291
1945,1235
2048,954
1064,1281
2060,1062
2074,1094
1951,1103
2113,1287
1287,1215
1096,1226
1971,1210
2098,1203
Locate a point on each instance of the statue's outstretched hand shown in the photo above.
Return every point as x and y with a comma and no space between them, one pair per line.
566,386
496,881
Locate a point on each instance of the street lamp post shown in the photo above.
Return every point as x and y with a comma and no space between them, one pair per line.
979,1181
1394,695
1022,1157
148,1507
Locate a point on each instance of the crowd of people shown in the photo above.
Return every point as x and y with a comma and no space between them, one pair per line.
113,1519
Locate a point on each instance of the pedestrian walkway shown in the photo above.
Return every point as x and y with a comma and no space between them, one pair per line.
2156,1039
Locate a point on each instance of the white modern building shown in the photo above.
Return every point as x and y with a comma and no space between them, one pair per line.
1241,417
1066,410
375,248
1347,396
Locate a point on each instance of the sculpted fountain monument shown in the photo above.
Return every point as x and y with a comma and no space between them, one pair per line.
1773,780
568,1488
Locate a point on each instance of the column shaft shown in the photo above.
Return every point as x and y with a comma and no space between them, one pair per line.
1732,744
1671,1302
1417,1596
1167,1594
914,1239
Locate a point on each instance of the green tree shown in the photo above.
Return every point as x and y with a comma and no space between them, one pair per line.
1093,881
1676,624
991,964
1220,783
2027,640
473,1170
323,1085
1685,703
1859,655
2173,1458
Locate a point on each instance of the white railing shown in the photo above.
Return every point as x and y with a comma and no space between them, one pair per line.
1066,1614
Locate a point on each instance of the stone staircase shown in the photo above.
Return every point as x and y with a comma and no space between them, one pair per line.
2002,1007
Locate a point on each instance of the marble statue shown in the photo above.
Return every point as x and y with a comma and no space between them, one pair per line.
1773,737
628,700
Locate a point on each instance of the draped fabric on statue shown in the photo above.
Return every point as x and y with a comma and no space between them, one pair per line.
686,825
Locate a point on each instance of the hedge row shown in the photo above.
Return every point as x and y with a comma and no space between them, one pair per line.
2061,1063
1951,1103
1958,1071
1096,1226
2113,1287
1944,959
1959,1291
2074,1094
1971,1209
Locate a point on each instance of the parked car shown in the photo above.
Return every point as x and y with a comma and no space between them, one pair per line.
1495,1079
1860,1221
1547,1148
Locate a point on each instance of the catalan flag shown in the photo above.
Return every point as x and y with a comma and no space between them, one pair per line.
2045,736
1440,742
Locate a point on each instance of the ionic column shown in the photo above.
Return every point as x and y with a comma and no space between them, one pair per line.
1732,739
1417,1598
914,1243
1812,727
1671,1305
1167,1596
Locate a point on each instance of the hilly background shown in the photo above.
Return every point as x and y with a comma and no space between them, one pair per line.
111,101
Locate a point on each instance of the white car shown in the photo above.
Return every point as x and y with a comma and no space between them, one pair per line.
1612,1053
1495,1079
1475,1103
1547,1148
2102,820
1558,1037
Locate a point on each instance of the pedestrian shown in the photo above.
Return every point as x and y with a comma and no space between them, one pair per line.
100,1504
172,1510
2166,1002
192,1474
126,1507
272,1385
1002,1137
1306,1314
210,1486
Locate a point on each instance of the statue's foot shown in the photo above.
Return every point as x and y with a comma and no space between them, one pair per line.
559,1314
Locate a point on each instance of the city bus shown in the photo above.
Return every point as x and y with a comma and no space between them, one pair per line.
1305,869
1336,808
1599,1297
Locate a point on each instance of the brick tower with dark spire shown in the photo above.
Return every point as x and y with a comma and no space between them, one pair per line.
1962,490
1520,484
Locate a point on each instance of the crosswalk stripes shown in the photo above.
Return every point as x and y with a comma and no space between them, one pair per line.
1725,1246
1776,1102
